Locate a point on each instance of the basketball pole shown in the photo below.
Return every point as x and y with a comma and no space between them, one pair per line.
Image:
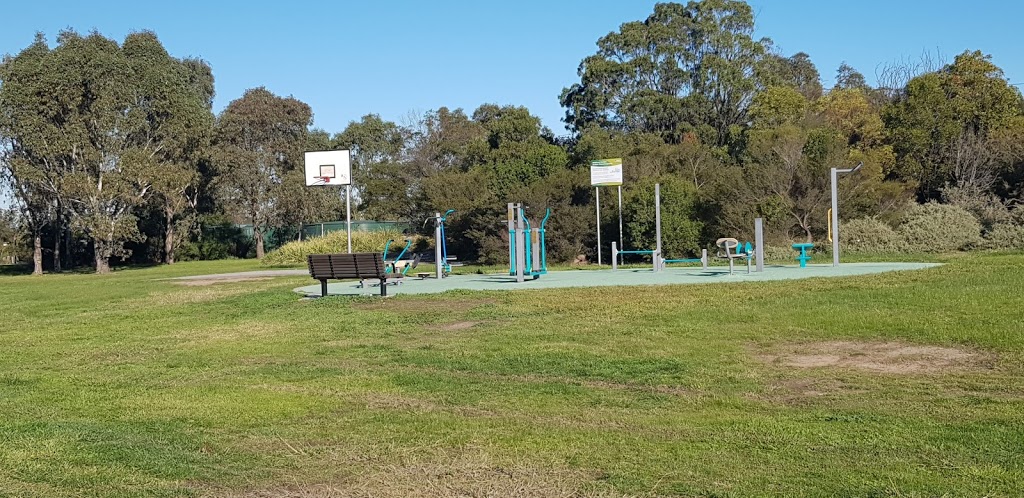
348,215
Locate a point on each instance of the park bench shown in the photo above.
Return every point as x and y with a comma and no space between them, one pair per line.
362,266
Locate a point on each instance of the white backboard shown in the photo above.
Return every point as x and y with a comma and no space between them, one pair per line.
335,165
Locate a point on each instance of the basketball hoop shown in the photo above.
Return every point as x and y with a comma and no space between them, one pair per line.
323,180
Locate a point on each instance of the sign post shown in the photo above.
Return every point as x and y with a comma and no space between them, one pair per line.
606,173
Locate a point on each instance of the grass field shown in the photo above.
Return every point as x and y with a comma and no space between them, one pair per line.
899,384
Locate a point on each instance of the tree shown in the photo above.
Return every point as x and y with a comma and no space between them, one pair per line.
178,98
848,78
968,98
11,236
797,72
516,150
681,231
258,140
380,177
92,123
684,66
31,162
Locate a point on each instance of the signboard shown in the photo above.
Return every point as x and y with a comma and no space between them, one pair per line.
606,172
328,167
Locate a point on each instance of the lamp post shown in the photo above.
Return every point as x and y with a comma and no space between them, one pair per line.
835,209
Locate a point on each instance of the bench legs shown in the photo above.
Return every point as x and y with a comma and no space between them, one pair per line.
384,287
323,287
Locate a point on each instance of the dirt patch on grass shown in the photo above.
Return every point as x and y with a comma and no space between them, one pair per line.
879,357
210,281
417,306
454,326
464,474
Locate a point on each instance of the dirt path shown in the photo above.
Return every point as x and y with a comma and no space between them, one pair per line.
243,276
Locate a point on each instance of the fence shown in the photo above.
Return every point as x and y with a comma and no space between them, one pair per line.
319,229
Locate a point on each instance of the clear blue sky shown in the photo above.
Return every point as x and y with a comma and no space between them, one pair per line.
348,59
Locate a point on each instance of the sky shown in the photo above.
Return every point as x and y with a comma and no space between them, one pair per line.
400,59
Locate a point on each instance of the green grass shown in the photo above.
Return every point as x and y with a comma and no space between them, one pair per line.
130,385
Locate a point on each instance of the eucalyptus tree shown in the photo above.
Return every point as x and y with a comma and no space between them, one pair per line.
258,140
380,175
175,98
683,67
95,125
33,163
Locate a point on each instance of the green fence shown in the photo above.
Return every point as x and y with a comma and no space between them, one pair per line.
318,229
276,237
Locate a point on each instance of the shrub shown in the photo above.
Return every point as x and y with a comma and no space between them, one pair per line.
779,253
1006,236
294,253
870,235
935,227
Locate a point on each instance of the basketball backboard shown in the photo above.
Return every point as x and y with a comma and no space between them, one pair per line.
328,167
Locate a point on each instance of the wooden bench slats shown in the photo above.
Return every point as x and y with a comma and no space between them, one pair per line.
343,266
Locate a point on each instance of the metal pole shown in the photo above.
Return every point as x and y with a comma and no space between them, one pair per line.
520,245
511,239
597,209
657,221
759,242
835,218
615,256
620,220
348,215
438,257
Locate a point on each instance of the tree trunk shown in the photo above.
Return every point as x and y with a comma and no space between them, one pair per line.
37,254
169,237
102,250
257,236
69,257
58,237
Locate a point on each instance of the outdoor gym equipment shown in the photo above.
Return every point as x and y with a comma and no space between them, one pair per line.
730,248
803,257
655,256
440,246
703,260
526,255
398,263
391,264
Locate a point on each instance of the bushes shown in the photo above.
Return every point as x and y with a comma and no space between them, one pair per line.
294,253
1006,236
870,235
935,227
931,227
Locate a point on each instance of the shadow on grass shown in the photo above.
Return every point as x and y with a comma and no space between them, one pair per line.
26,269
14,270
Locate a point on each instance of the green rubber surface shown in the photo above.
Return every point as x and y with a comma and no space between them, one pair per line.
608,278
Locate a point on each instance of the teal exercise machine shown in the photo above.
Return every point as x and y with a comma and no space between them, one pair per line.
441,259
391,266
527,254
803,257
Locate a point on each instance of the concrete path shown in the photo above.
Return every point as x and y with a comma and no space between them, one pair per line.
246,275
604,278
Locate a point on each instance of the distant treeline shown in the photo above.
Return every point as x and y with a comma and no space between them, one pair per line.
113,153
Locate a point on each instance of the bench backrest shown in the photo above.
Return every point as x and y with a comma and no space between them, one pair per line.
342,266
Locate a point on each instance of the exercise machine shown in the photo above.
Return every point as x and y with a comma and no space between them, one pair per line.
527,254
440,246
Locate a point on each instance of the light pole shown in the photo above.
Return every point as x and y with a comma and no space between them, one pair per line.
835,209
